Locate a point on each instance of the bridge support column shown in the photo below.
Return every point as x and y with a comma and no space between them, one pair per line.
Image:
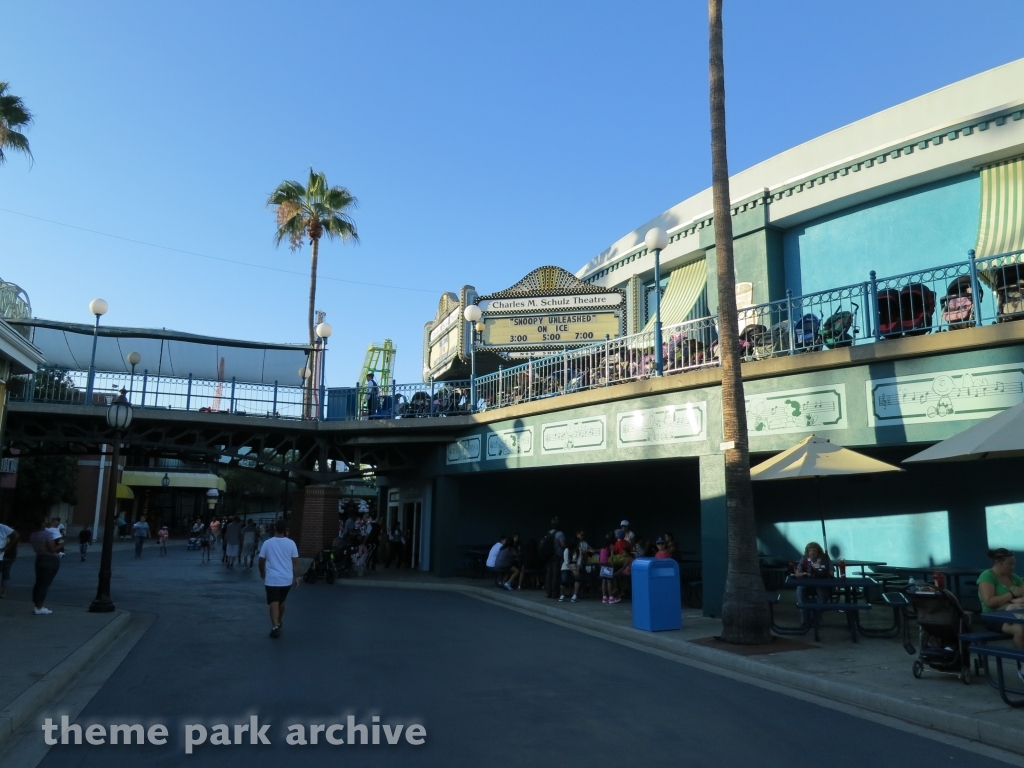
314,519
445,526
714,532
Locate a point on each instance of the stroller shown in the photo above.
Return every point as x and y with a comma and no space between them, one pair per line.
1009,288
322,567
907,312
361,558
942,621
958,303
805,335
839,329
755,342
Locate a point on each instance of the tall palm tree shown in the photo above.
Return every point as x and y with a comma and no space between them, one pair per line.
14,117
745,618
312,210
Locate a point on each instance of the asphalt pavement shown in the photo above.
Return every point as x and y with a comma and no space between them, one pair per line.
491,686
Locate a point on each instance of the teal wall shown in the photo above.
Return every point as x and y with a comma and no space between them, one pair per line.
924,227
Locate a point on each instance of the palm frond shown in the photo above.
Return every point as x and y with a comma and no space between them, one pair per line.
13,115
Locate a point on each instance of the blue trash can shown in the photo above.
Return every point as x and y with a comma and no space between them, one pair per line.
342,404
656,602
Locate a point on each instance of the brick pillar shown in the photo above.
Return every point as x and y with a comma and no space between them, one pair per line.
314,521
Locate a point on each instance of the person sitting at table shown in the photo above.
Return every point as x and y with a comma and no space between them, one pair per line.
813,565
662,546
1000,589
670,545
492,556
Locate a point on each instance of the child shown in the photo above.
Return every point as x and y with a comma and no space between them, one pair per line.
84,540
162,536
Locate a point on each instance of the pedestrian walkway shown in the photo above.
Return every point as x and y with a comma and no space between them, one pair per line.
874,674
42,654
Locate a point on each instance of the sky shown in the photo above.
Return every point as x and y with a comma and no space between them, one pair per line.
482,140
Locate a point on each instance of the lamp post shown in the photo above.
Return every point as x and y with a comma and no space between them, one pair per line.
656,239
323,332
134,358
304,374
119,418
165,481
99,308
211,500
473,316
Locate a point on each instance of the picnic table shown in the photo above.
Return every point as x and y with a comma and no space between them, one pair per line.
850,588
954,575
862,564
1000,652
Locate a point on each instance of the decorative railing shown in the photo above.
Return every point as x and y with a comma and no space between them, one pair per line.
933,300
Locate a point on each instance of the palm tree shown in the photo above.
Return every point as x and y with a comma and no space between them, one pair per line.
13,116
745,618
312,210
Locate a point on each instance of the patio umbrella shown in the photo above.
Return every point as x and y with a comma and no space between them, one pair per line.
997,437
817,457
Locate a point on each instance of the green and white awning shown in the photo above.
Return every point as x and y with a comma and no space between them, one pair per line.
685,288
1001,228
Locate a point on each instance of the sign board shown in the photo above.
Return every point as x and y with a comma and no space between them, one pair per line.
550,308
444,339
9,465
810,409
550,329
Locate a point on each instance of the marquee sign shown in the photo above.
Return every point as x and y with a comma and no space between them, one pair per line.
550,309
446,338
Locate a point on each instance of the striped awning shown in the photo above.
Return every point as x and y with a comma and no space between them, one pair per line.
685,288
1001,228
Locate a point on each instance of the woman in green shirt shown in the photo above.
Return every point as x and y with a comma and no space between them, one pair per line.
1000,589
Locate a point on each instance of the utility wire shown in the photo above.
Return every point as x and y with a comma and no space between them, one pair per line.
216,258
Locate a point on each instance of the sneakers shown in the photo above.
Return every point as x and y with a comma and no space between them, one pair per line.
573,599
276,631
613,600
507,586
561,598
41,611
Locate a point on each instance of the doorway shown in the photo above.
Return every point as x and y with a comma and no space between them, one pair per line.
412,527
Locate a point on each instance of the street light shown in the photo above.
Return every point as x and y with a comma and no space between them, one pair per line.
165,481
656,239
134,358
473,315
211,499
323,331
119,418
99,308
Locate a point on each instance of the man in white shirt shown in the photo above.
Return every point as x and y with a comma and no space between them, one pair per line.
492,556
628,535
278,558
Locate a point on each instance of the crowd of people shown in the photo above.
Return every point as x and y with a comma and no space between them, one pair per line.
569,567
361,530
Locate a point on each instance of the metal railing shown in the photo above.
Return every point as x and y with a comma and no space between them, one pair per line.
939,299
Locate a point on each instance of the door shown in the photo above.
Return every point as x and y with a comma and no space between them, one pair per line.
412,525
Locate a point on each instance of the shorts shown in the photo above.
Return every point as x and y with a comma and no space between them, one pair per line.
277,594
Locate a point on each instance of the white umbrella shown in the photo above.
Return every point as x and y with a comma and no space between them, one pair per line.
997,437
817,457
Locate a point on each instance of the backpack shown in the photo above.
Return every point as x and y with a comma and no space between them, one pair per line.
546,548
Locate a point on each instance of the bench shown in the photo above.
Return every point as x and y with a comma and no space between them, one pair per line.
1000,652
852,611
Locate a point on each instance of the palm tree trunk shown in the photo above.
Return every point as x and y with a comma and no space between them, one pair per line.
312,290
745,618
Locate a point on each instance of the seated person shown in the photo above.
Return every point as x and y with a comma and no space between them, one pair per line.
662,546
1000,589
493,554
814,565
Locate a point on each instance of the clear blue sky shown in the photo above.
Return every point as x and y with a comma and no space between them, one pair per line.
482,139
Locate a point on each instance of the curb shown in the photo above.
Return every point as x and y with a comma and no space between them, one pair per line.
972,729
54,682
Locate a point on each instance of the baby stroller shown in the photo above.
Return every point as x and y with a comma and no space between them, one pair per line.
838,330
322,567
755,342
361,559
805,335
1009,288
194,542
958,303
942,621
907,312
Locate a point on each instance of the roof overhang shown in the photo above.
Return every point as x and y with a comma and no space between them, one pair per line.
24,356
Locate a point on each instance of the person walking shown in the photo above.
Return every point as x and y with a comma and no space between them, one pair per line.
161,536
373,540
8,554
278,559
48,547
233,539
140,532
250,535
84,540
552,549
